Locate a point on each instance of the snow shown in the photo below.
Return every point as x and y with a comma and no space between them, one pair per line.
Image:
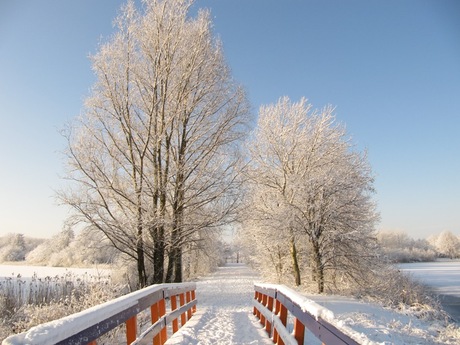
224,311
442,276
379,325
12,271
224,315
305,304
58,330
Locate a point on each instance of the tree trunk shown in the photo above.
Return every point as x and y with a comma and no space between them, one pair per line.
158,255
178,266
318,269
295,262
142,275
170,269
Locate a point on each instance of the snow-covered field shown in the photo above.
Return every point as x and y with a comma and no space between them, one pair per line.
442,276
13,271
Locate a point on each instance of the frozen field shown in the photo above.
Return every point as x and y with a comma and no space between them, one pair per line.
12,271
442,276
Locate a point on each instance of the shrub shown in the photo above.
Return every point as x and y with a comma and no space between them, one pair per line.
27,303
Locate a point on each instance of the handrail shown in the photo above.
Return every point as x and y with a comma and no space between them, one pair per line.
273,303
87,326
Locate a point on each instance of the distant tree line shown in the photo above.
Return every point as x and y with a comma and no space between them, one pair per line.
399,247
64,249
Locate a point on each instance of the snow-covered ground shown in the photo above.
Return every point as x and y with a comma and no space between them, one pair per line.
224,311
442,276
224,316
13,271
381,325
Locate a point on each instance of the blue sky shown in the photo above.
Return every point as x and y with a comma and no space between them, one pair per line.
391,68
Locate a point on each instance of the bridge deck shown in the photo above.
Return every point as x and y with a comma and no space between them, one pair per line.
224,314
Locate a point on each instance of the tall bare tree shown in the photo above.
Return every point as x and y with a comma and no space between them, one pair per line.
155,151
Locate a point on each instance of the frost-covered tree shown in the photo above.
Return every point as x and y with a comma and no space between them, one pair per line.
54,251
154,154
308,184
446,244
397,246
14,248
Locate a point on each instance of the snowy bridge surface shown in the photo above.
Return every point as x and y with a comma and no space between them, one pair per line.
229,308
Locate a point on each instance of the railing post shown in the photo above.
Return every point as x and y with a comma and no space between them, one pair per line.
175,323
131,329
263,301
268,325
164,331
276,337
155,314
299,331
193,298
188,299
255,310
182,303
283,318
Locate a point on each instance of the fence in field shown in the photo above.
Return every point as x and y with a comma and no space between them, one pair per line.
280,309
89,325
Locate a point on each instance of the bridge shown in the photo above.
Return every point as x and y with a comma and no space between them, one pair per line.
229,308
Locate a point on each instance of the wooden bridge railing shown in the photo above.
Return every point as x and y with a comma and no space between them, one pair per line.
89,325
276,306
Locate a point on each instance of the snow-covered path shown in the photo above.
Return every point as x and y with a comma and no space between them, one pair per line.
224,310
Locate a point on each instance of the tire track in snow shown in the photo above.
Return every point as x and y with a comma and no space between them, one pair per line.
224,311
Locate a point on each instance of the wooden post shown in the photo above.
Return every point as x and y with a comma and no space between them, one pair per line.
188,299
299,331
268,325
163,332
155,314
276,336
263,300
182,303
175,323
193,298
283,318
131,329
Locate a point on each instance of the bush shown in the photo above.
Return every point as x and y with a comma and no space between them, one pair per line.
398,247
27,303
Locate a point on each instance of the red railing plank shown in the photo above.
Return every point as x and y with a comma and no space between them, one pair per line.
182,302
175,323
163,333
131,330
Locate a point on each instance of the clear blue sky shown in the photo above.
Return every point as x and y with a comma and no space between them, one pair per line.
392,69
